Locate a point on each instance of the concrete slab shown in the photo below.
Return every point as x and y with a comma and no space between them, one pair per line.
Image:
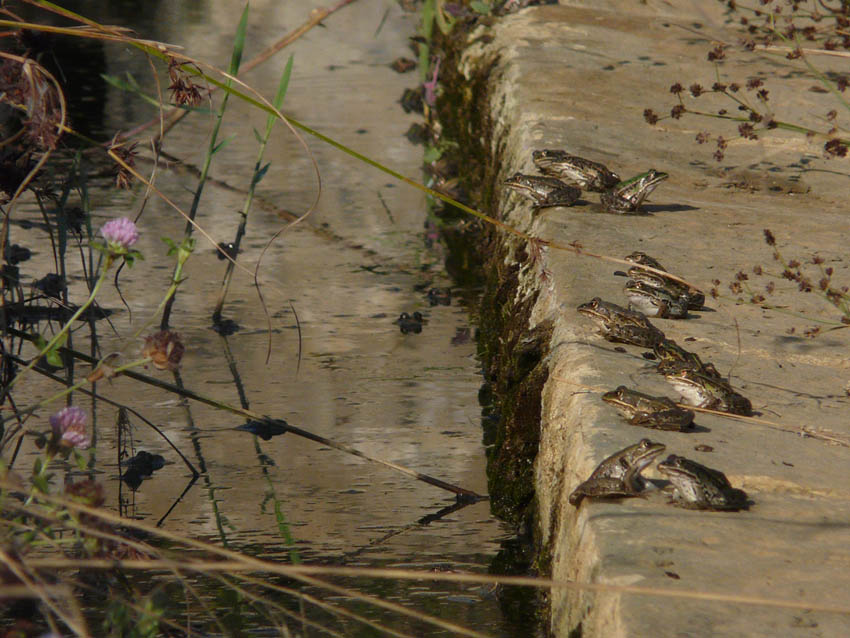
578,76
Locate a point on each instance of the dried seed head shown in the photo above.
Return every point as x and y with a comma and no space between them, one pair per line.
769,239
747,132
164,349
127,155
650,116
86,492
835,148
717,53
677,111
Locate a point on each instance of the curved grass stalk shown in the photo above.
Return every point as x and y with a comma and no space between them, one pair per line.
162,52
43,594
213,147
231,561
259,172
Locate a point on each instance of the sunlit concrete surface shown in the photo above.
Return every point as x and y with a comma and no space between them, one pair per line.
578,76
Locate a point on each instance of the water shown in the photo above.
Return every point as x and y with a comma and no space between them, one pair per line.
348,272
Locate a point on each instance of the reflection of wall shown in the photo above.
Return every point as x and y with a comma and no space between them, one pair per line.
410,399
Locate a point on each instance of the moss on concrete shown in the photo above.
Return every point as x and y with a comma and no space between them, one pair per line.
513,355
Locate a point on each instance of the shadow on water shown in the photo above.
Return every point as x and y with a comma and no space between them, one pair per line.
361,260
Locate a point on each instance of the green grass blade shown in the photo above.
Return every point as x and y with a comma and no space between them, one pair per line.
222,144
284,84
239,42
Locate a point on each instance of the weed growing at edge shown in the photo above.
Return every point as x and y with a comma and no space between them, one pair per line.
775,28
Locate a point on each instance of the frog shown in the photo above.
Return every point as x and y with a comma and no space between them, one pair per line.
619,474
621,325
673,357
694,299
696,486
440,296
703,391
545,191
408,323
589,175
640,257
648,411
626,197
662,302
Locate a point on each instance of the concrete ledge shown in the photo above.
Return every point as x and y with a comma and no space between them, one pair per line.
578,77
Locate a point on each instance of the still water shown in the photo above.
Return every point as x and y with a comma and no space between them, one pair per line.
348,271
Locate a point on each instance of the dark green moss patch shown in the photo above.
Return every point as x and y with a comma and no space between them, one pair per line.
516,369
513,355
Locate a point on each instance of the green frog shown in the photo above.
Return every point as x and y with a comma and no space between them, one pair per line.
621,325
626,197
589,175
673,357
707,392
545,191
619,474
659,413
656,302
696,486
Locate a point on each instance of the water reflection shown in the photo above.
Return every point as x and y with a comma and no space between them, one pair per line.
359,262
